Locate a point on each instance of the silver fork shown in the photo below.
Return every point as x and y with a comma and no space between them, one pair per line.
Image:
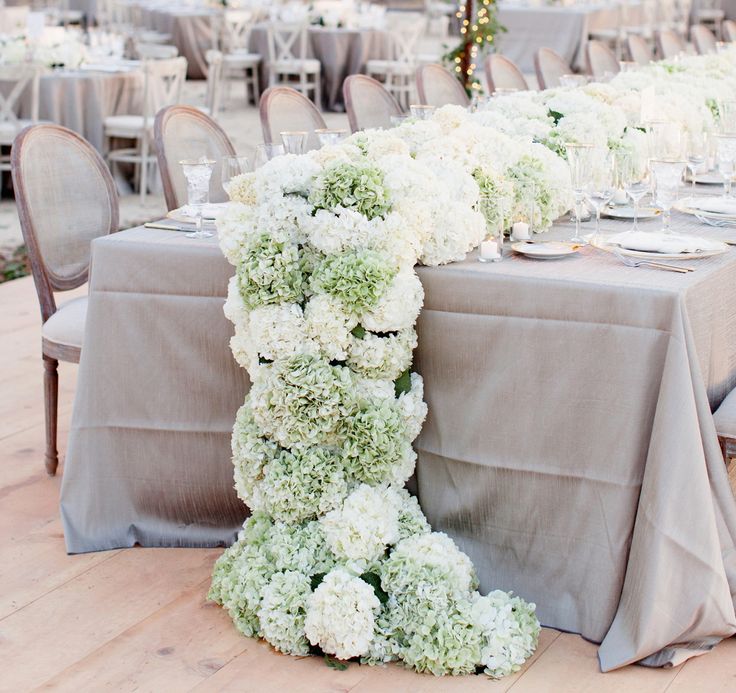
629,262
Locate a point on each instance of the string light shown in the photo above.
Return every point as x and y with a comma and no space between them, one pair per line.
478,28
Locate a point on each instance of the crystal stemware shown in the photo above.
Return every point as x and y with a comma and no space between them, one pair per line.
295,142
573,80
634,175
726,157
231,167
397,120
666,178
601,183
580,158
265,152
421,111
727,117
697,153
327,136
198,173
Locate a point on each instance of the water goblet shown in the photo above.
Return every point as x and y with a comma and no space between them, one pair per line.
579,158
697,152
666,179
601,184
421,111
231,167
397,120
727,117
198,173
726,157
295,142
634,175
665,140
327,137
265,152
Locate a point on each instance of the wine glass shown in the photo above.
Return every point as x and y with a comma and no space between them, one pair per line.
421,111
665,140
295,141
579,157
633,171
231,167
265,152
601,184
727,116
696,144
573,80
726,156
198,173
397,120
666,179
328,137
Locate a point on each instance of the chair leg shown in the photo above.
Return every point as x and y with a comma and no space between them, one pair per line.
51,400
144,167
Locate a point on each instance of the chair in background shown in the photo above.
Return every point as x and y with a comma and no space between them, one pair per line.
703,39
66,197
184,132
550,66
711,14
288,64
162,84
237,58
725,421
14,19
213,96
368,103
283,109
602,61
155,51
20,81
503,75
728,30
669,44
639,50
397,72
437,86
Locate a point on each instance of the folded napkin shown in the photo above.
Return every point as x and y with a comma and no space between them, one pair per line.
661,243
719,205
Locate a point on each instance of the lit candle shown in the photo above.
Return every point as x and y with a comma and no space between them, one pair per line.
520,231
489,251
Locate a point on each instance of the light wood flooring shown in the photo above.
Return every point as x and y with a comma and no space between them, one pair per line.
137,619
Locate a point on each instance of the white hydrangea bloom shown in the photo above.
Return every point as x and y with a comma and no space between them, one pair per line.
413,407
341,615
399,306
364,526
279,331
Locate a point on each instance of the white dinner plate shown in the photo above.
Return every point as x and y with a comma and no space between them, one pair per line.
683,206
602,244
708,178
209,213
627,212
550,250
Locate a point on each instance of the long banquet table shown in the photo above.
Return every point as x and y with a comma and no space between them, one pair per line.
564,29
570,448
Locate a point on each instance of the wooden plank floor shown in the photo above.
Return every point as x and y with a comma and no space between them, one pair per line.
137,619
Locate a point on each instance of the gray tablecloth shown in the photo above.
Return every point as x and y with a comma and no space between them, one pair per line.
564,29
569,449
81,100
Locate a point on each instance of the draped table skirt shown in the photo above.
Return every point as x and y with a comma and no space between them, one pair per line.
569,449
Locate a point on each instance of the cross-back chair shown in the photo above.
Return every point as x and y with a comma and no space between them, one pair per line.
288,63
20,81
238,60
66,197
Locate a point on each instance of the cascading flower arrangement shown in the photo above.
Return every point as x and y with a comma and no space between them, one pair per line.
337,557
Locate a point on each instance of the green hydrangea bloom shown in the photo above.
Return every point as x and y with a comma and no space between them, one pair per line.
283,611
358,278
271,273
352,186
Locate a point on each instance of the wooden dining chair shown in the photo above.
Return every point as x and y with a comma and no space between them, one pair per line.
639,50
503,74
184,132
66,197
602,61
368,103
21,82
437,86
669,44
729,30
550,67
284,109
288,59
725,421
703,39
